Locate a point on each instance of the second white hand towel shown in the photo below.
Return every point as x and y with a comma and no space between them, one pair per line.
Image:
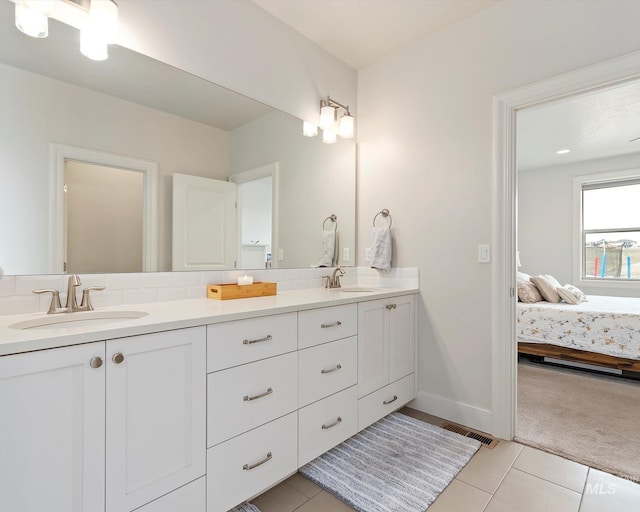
328,249
381,249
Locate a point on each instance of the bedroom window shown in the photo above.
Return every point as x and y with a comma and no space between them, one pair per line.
611,230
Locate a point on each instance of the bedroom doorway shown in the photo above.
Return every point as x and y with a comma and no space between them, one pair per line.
507,107
576,153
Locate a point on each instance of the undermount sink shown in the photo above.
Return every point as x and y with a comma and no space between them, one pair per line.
356,289
79,319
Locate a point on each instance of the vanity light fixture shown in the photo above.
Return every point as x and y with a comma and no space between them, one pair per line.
97,21
328,122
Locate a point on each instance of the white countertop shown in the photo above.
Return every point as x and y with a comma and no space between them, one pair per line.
163,316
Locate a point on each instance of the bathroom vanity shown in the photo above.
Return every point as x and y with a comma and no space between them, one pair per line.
200,404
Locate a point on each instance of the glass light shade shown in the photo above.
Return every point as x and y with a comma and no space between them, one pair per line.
92,45
327,117
328,135
309,129
346,126
103,19
31,21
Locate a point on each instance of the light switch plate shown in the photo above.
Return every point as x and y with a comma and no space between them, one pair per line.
367,253
346,254
484,253
280,254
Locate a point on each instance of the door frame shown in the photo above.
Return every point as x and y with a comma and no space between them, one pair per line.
272,169
504,215
58,154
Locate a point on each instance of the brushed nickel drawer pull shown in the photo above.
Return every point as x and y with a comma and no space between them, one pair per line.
387,402
331,425
330,370
391,306
249,467
334,324
248,398
268,337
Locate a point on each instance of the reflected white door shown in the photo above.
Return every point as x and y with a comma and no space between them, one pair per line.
204,223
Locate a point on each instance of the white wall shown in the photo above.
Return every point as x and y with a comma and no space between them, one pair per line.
37,110
238,45
425,152
316,180
545,219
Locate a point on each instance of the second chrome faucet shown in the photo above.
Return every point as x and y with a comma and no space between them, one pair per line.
71,305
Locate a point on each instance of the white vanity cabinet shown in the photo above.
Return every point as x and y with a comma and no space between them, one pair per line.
156,415
128,412
386,356
52,427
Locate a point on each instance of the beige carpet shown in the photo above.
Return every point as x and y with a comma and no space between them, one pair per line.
583,417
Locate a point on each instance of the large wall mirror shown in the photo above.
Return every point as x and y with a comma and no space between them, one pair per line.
222,181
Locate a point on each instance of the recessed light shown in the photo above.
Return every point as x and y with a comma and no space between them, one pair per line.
563,151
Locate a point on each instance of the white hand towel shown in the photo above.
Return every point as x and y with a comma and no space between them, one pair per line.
328,249
381,249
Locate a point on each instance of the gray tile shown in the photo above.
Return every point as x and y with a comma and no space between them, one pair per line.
324,502
282,498
304,485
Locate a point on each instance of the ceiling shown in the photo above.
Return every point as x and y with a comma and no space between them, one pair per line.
592,125
359,32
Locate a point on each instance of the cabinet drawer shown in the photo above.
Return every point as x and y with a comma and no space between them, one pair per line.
191,497
327,423
321,325
235,343
327,369
244,397
243,467
385,400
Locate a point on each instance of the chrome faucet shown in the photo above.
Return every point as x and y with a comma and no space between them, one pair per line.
72,300
333,281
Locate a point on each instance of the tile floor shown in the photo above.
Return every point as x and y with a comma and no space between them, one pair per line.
511,477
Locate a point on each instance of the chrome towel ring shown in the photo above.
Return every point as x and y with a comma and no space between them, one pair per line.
332,218
385,214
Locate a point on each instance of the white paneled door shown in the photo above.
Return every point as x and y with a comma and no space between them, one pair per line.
204,223
52,427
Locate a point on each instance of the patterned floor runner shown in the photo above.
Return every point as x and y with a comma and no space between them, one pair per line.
398,464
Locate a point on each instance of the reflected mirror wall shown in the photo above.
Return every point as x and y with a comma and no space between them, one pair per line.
137,107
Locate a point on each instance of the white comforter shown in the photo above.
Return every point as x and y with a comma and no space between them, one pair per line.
607,325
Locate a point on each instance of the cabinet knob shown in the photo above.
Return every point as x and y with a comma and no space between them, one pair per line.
96,362
118,358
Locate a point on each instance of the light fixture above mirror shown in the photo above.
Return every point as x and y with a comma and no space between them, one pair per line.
329,123
97,21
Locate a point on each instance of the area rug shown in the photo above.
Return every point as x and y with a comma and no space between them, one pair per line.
584,417
399,464
245,507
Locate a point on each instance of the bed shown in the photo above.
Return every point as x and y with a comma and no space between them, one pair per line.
603,331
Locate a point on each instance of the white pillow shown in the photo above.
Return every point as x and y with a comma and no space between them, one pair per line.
547,288
521,276
571,294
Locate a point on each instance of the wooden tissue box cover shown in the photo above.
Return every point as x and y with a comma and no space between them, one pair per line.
235,291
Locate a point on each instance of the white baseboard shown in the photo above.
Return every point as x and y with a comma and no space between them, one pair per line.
458,412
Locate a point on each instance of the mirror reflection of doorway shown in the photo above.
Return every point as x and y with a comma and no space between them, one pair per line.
104,218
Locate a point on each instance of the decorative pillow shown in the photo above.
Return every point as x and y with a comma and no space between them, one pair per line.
552,280
546,288
521,276
527,292
571,294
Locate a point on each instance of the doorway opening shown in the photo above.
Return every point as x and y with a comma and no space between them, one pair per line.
97,185
506,106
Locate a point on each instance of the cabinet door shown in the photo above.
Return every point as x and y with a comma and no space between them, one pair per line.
156,402
402,346
52,430
373,345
